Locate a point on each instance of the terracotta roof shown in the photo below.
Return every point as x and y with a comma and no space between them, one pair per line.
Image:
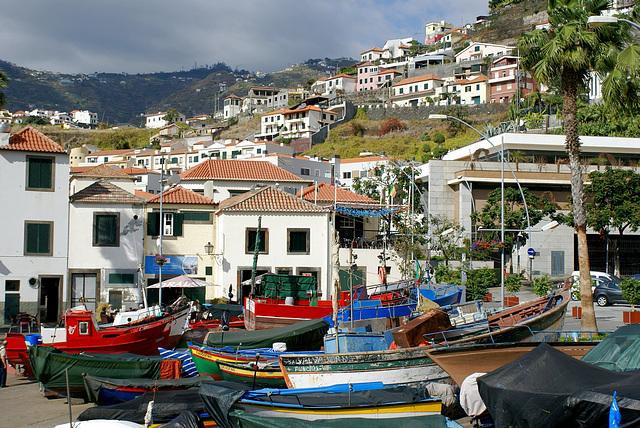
136,170
417,79
31,140
103,171
388,71
156,114
240,170
232,96
268,199
103,191
307,108
368,159
77,169
180,195
329,193
282,110
342,75
144,195
376,49
481,78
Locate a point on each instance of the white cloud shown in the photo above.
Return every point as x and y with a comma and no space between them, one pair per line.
74,36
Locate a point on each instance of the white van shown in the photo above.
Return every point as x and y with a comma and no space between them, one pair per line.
596,278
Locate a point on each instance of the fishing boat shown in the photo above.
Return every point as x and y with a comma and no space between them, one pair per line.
256,374
50,366
340,405
282,300
400,291
81,333
108,391
413,364
17,353
212,315
462,361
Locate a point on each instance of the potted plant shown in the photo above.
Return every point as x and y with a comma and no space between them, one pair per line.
631,293
512,283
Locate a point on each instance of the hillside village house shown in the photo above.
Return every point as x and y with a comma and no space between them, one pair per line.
434,31
302,122
473,90
330,87
374,54
106,156
416,91
187,226
294,238
222,179
479,50
311,167
78,155
232,106
85,117
366,71
106,238
156,120
361,167
505,77
34,177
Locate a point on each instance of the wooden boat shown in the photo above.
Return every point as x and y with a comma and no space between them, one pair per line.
108,391
413,364
266,375
341,405
81,333
462,361
49,365
372,309
18,355
210,317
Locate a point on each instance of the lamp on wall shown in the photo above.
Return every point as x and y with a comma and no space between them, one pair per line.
208,248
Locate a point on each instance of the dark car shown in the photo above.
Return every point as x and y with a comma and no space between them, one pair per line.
608,293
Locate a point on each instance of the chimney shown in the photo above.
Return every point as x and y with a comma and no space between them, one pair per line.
208,189
5,133
335,168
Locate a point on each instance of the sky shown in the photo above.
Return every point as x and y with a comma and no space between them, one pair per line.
145,36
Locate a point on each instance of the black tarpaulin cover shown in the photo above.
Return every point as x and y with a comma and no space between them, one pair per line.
302,336
533,390
186,419
217,309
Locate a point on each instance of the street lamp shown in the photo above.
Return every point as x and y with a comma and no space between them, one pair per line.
208,248
502,163
598,21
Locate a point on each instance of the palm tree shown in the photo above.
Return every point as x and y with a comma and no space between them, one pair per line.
570,50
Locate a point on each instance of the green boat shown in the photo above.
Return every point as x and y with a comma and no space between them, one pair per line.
264,375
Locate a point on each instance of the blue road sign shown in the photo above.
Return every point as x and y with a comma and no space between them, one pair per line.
531,252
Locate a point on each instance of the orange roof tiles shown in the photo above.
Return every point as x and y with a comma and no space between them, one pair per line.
103,191
282,110
31,140
241,170
268,199
143,194
136,170
180,195
481,78
417,79
103,171
329,193
342,75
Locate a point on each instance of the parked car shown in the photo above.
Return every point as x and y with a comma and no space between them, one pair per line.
608,293
596,279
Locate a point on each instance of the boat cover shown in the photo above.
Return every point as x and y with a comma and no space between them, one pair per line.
49,364
619,351
302,336
546,387
216,310
167,406
219,400
274,286
93,384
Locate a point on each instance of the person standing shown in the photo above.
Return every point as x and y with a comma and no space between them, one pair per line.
4,365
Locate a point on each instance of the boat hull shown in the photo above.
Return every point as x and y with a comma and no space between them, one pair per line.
268,313
18,355
264,378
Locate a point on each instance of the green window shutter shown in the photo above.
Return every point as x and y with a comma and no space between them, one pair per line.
252,241
38,238
298,241
153,224
40,173
178,219
106,230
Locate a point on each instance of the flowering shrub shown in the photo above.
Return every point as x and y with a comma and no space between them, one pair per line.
487,246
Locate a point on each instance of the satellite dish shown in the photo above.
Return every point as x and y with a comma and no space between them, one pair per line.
33,282
174,179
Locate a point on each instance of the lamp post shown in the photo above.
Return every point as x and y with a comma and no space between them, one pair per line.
599,20
502,163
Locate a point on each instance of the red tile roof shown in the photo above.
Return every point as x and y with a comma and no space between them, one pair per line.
240,170
180,195
268,199
329,193
144,195
480,78
417,79
103,171
135,170
103,191
31,140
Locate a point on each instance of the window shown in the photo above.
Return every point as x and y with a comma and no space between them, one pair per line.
121,278
467,88
283,271
250,241
477,87
426,86
317,173
346,174
197,216
305,171
106,230
401,91
298,241
39,173
38,238
12,285
172,224
477,49
208,270
83,327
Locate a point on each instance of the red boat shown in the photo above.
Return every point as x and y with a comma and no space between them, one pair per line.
81,333
17,355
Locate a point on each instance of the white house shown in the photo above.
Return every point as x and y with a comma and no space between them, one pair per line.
271,124
232,106
221,179
34,174
294,238
374,54
85,117
105,156
302,122
474,90
416,91
106,238
305,167
478,50
156,120
359,168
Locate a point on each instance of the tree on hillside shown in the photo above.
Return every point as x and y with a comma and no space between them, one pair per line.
570,49
171,116
614,204
3,84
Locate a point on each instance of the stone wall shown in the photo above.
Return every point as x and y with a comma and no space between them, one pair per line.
379,112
